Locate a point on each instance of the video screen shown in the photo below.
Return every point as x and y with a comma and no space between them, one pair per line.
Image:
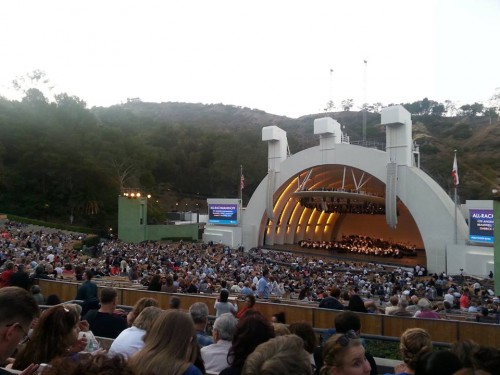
223,214
481,226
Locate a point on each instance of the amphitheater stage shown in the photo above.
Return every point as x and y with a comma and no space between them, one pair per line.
420,258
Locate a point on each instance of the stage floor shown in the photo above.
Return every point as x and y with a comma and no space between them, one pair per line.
420,259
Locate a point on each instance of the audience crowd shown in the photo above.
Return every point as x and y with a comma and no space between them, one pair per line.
149,340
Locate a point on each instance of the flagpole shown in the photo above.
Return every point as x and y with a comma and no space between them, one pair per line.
456,205
241,184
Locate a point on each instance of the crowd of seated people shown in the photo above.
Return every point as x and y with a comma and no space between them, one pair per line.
49,344
202,268
55,338
365,245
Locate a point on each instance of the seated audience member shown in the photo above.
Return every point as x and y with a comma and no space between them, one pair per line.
306,332
20,278
37,294
175,303
53,300
465,351
155,283
344,355
138,307
104,322
426,311
6,274
346,321
246,290
394,300
279,318
251,331
249,304
131,340
215,355
401,311
413,305
487,359
441,362
56,332
169,286
356,304
170,347
199,314
283,355
332,302
281,329
99,364
414,343
17,311
485,317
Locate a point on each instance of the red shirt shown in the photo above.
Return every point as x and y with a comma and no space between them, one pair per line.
464,301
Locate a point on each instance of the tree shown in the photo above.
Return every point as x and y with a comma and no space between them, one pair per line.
347,104
330,106
472,110
377,107
491,113
495,102
34,97
438,110
450,108
36,79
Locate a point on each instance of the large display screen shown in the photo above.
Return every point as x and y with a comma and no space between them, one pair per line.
481,226
223,214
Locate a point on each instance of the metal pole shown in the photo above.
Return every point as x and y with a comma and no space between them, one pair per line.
364,101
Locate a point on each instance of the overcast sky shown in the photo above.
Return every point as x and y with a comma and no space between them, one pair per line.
271,55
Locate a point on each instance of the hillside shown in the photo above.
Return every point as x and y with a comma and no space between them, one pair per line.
62,160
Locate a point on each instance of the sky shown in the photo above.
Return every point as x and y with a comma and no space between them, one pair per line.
285,57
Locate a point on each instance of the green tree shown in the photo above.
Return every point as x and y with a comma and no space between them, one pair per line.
347,104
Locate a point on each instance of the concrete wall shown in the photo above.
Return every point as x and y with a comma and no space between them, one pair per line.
132,219
132,214
230,236
158,232
474,260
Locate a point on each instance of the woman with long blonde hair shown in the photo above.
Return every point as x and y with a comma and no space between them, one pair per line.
170,347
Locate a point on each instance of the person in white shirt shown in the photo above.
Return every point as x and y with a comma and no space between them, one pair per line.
450,297
131,340
215,355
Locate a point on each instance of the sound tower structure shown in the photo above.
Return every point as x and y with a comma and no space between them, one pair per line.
399,152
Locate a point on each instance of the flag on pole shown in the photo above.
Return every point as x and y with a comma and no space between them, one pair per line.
242,182
454,171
